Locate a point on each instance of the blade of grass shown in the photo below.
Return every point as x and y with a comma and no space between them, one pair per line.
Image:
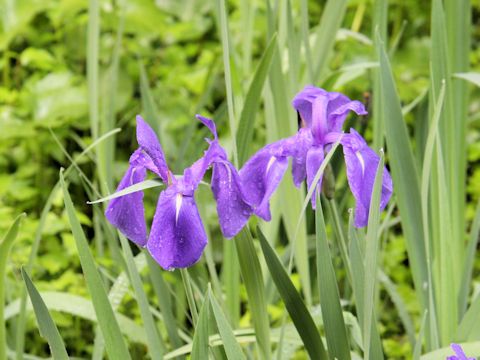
468,328
189,293
230,344
306,39
404,174
296,308
425,181
147,184
200,338
252,101
332,17
45,322
156,348
81,307
164,300
5,246
371,257
452,132
469,261
222,22
400,305
357,251
106,153
417,350
20,324
334,323
380,14
93,37
114,342
253,279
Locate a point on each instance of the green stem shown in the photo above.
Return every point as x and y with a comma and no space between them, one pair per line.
189,293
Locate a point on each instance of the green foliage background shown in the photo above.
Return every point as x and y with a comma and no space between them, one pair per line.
176,47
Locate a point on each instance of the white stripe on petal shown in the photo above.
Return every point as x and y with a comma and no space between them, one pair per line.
178,205
270,162
362,162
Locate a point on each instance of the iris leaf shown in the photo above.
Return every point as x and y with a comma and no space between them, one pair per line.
296,308
114,342
45,322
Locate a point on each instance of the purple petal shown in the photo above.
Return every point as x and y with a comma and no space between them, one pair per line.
126,213
302,102
362,163
299,148
336,107
320,118
261,175
315,158
460,354
233,211
338,115
195,173
177,237
148,142
210,124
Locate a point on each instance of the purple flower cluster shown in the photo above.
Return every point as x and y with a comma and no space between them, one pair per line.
177,236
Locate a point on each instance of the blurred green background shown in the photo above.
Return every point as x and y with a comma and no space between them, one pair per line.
165,55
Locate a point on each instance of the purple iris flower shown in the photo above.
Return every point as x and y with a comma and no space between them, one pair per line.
460,355
177,236
323,114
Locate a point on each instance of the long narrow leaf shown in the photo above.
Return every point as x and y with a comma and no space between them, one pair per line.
404,173
114,342
371,255
200,338
5,246
253,279
45,322
155,346
230,344
335,330
252,101
296,308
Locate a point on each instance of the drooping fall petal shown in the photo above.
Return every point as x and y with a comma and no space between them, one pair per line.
232,208
362,163
261,175
126,213
177,237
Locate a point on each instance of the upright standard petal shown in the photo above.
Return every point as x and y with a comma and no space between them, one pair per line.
362,162
148,142
177,237
332,106
209,123
233,211
126,213
261,175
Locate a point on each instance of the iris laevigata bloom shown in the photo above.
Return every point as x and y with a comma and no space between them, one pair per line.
323,114
459,353
177,236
